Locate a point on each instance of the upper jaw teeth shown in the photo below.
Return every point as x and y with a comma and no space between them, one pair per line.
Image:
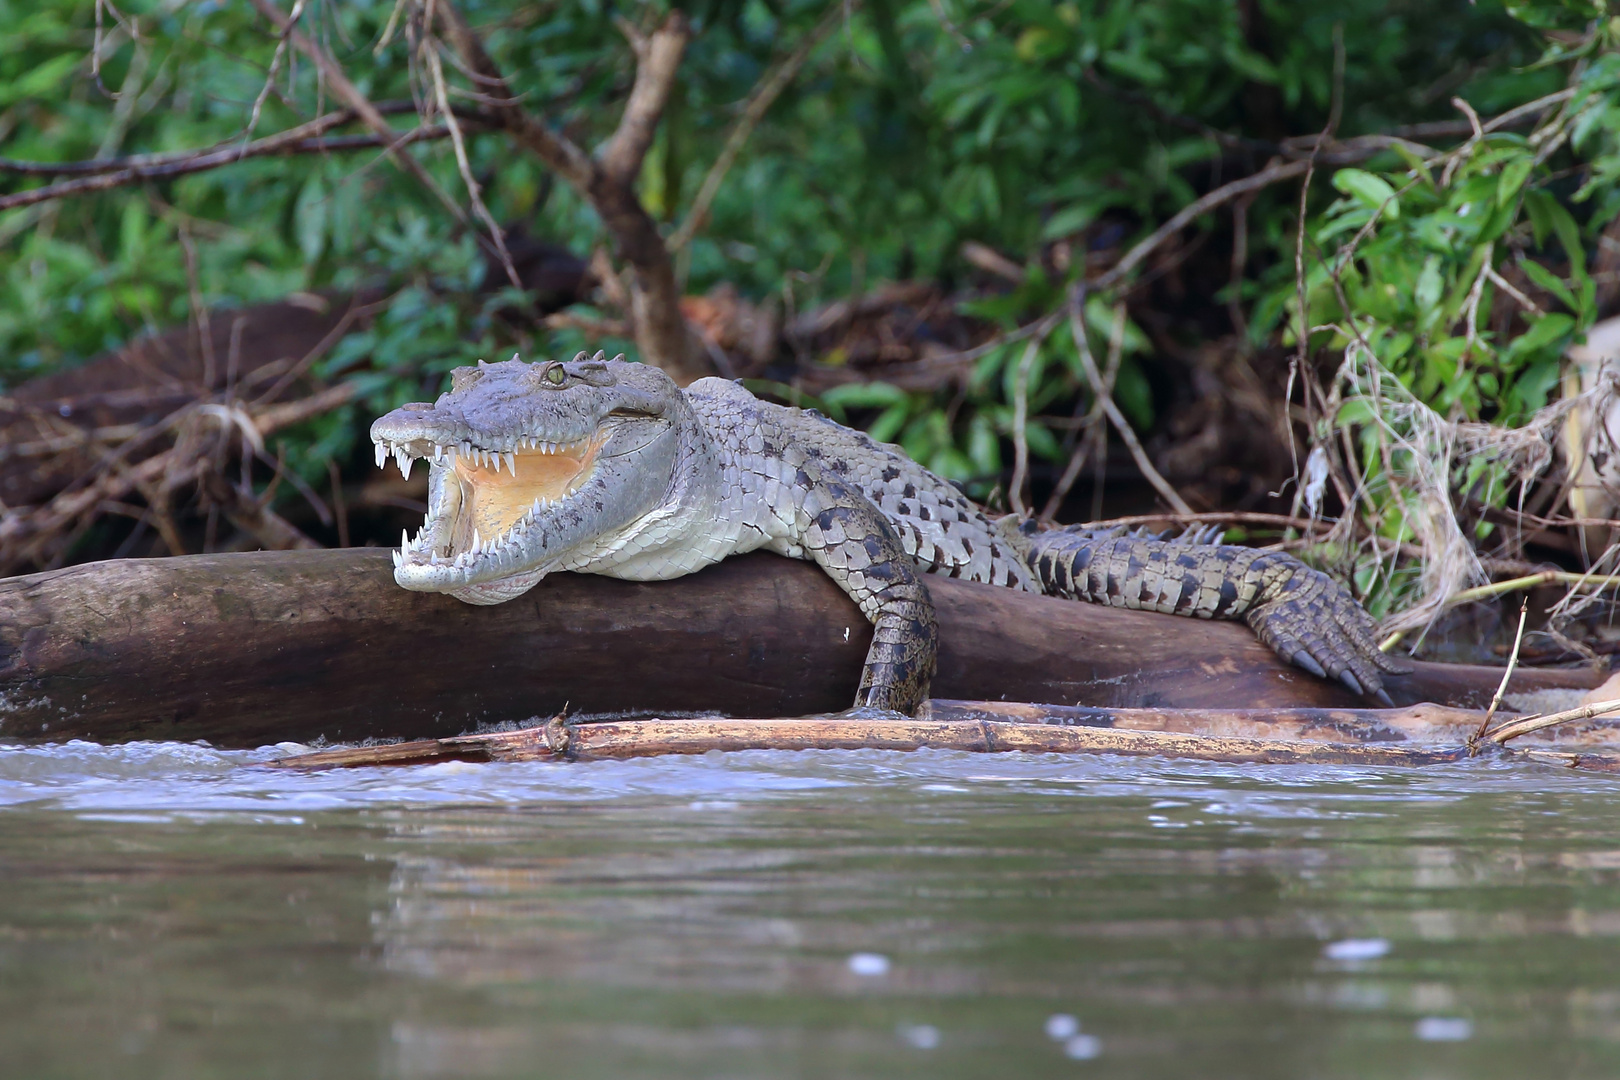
445,454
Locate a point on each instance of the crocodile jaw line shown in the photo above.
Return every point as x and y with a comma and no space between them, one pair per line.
482,505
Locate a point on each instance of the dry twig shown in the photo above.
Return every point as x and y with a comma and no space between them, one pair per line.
760,100
1111,410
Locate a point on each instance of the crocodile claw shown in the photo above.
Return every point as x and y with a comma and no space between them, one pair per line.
1315,624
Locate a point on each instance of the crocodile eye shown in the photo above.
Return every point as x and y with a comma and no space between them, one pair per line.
555,375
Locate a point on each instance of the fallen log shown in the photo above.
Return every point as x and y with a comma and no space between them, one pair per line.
249,649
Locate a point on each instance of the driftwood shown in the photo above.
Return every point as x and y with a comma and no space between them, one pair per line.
1369,737
559,741
249,649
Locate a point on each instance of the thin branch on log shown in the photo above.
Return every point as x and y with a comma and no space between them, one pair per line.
1516,728
764,95
557,739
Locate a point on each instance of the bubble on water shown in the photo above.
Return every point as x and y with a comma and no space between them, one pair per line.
1082,1047
1444,1029
1061,1026
869,963
1356,949
921,1036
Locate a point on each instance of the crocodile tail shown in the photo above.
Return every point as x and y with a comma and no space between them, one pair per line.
1309,619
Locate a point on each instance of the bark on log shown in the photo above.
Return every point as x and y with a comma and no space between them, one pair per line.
249,649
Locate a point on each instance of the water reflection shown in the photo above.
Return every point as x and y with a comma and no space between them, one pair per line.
166,911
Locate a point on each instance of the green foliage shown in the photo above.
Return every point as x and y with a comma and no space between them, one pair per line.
1041,129
1465,277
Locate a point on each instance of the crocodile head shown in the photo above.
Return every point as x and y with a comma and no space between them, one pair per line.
530,463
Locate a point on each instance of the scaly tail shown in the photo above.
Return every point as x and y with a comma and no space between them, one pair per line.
1304,615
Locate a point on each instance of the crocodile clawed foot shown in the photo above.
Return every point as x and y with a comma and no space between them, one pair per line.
1314,624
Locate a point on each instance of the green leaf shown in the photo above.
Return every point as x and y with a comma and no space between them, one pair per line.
1549,281
1512,179
1543,332
1371,190
1559,221
1069,220
42,81
872,395
1429,287
309,220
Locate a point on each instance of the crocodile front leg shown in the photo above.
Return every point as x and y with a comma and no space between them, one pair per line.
849,538
1304,615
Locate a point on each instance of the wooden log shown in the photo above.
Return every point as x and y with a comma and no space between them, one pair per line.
618,739
248,649
1425,723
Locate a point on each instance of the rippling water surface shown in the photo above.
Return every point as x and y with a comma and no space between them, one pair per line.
170,910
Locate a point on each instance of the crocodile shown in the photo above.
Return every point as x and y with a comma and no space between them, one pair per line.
608,467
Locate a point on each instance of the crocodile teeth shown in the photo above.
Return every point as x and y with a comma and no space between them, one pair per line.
382,453
511,463
399,559
402,458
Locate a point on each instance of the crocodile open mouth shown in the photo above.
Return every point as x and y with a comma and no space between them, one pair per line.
487,498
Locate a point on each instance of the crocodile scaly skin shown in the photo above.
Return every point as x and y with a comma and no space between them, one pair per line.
686,479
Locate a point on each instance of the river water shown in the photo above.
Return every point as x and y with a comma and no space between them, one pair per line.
170,910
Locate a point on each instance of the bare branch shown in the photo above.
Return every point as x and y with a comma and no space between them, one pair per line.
553,148
350,95
275,69
473,192
608,182
1090,440
658,58
1117,418
305,131
1272,174
292,141
1020,475
764,95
